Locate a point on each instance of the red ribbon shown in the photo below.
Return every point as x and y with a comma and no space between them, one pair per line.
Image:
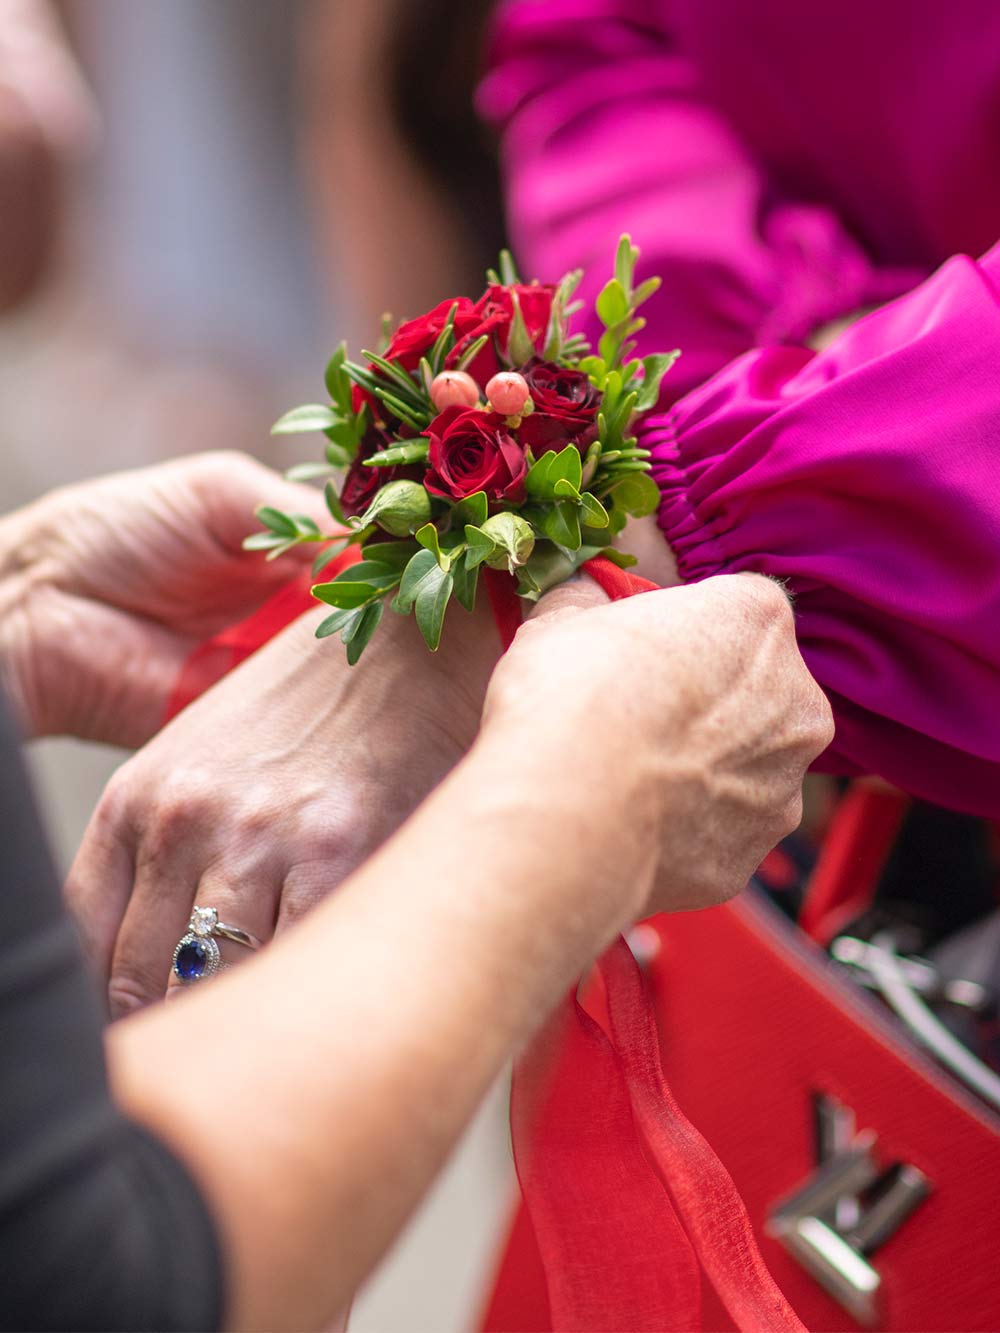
628,1203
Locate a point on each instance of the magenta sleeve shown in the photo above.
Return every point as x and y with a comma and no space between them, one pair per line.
604,129
868,478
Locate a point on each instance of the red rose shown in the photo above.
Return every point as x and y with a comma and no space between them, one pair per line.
535,299
416,337
473,451
566,406
362,482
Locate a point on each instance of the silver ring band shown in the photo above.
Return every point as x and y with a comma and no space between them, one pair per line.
197,953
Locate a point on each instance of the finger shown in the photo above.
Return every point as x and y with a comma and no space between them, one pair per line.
577,594
306,884
100,882
248,904
231,486
168,862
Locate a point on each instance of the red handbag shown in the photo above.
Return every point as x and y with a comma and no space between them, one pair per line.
863,1167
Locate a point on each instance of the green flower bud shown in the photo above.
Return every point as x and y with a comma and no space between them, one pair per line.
400,507
514,538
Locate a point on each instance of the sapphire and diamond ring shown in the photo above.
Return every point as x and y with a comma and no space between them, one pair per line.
197,954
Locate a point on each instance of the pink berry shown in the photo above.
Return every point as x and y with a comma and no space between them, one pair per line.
454,388
508,393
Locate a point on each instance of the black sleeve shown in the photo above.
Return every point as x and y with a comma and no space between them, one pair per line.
100,1226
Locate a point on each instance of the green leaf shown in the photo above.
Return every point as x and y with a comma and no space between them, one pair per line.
396,555
566,465
568,284
357,635
333,502
277,521
565,490
536,482
343,443
547,567
405,386
466,583
411,451
419,566
654,369
444,341
280,550
555,331
338,384
327,557
428,538
637,493
644,291
357,585
620,558
508,271
612,303
304,525
411,416
520,348
622,414
313,416
595,367
609,345
471,352
372,572
625,258
594,514
473,509
561,524
334,623
346,594
431,603
481,546
308,471
263,541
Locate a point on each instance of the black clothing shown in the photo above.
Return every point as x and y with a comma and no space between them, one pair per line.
100,1226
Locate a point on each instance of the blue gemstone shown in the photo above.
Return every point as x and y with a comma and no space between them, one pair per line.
191,960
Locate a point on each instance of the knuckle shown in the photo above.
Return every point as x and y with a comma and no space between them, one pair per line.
130,989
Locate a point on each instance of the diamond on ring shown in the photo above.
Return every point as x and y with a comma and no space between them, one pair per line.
197,952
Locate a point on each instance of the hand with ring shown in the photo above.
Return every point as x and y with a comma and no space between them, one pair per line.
265,793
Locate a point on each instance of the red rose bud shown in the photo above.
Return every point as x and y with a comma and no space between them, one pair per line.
534,300
507,393
454,388
473,451
566,406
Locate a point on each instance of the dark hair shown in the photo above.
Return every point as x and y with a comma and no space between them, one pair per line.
435,59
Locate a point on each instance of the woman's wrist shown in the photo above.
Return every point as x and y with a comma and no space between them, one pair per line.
568,796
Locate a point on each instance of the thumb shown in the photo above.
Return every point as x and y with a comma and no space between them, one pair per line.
231,486
579,593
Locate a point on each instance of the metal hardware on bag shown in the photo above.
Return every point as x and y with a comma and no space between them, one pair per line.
926,979
846,1210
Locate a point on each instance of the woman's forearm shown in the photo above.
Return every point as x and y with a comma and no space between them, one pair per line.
315,1093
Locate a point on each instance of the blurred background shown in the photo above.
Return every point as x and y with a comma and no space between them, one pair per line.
258,179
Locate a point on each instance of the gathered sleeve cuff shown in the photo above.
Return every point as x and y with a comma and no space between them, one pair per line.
867,478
